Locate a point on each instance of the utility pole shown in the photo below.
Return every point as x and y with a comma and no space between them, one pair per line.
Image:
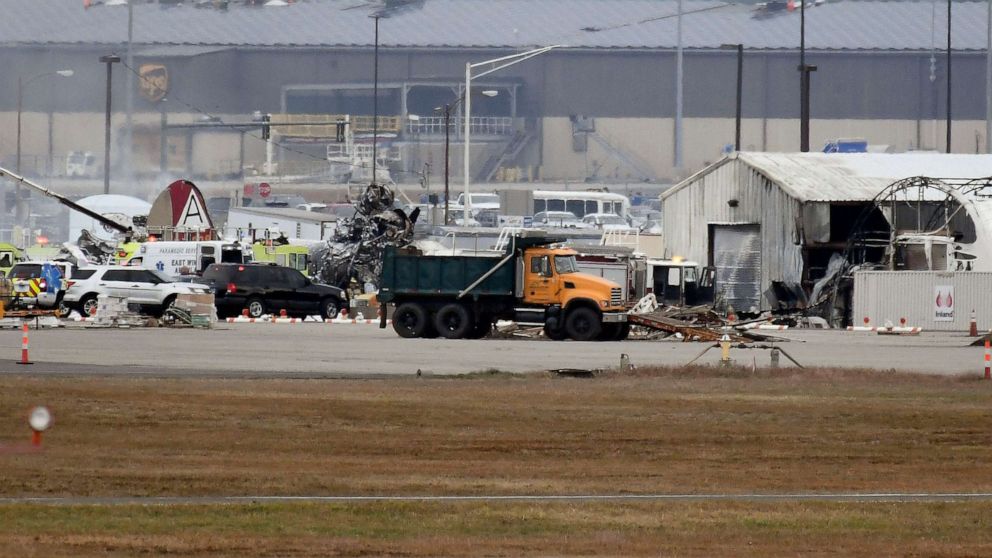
948,76
109,61
678,90
804,82
129,102
988,81
447,160
375,98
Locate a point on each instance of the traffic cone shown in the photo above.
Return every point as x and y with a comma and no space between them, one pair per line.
24,347
973,329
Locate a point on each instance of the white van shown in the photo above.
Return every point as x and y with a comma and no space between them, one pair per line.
181,257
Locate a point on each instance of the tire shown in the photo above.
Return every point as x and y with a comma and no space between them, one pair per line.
623,333
609,332
453,321
555,334
169,302
87,305
62,309
256,307
583,324
410,320
614,332
329,308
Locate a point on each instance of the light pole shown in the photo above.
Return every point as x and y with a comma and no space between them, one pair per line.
446,109
948,76
497,64
375,99
109,61
740,91
21,84
804,78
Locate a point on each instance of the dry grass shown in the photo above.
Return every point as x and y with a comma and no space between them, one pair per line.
504,529
699,430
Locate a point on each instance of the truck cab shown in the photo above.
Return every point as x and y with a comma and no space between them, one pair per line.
9,255
678,282
552,282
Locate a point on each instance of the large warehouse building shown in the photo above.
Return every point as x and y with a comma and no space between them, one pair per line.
601,108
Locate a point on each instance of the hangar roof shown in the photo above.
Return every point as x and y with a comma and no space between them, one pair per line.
825,177
511,24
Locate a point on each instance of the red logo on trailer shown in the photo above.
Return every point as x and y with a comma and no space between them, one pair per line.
264,189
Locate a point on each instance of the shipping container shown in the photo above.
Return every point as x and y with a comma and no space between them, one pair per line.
933,300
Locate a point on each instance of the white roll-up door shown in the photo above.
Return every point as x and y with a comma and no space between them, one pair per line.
737,259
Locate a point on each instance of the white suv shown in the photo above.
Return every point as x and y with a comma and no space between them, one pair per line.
150,289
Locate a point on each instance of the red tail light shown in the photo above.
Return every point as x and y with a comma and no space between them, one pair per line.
232,288
69,284
42,285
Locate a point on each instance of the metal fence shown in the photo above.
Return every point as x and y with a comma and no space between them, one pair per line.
482,125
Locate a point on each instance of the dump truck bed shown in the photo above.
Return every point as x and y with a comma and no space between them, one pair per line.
406,274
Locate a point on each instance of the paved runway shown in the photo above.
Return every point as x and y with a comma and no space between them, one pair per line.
309,350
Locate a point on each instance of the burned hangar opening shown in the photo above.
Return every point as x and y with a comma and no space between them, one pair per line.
771,223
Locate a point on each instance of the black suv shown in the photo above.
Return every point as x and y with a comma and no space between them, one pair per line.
269,288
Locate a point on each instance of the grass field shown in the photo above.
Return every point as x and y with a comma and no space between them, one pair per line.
699,430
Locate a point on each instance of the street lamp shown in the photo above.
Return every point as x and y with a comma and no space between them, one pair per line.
21,84
804,85
446,109
740,90
109,61
497,64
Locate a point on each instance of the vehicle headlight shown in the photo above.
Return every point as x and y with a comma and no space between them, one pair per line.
604,303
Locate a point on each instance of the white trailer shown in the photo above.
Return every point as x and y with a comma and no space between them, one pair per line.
933,300
250,223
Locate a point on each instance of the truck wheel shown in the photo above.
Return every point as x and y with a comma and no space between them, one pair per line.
410,320
614,332
623,333
555,334
582,324
256,307
453,321
609,332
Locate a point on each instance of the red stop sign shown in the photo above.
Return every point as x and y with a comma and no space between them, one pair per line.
264,189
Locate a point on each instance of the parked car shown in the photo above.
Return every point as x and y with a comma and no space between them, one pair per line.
269,288
561,219
151,290
607,222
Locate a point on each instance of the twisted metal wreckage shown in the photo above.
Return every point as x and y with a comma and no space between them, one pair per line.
918,223
353,254
355,251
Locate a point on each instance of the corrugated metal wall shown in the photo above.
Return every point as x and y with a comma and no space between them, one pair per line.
892,295
689,213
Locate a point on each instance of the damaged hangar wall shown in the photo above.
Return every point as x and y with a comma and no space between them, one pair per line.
694,207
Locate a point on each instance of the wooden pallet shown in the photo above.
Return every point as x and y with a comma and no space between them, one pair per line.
658,321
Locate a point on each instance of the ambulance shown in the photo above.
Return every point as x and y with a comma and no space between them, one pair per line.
181,257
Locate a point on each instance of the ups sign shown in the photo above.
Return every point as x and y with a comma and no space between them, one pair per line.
153,82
